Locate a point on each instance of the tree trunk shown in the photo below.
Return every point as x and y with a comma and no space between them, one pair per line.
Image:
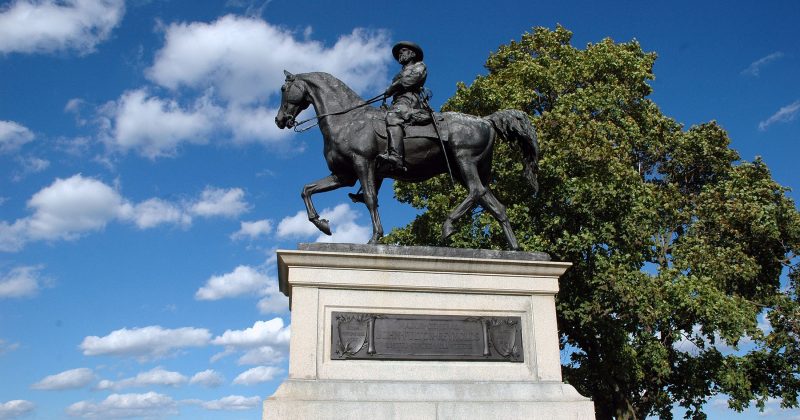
614,407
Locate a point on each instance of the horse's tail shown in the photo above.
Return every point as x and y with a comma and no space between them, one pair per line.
514,125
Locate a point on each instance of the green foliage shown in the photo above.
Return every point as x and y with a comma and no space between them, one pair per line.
678,246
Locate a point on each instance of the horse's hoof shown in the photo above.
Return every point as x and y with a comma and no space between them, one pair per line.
323,225
356,198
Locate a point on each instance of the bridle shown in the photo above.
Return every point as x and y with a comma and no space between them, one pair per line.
296,125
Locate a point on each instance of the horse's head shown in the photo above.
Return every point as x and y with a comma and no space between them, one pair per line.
294,99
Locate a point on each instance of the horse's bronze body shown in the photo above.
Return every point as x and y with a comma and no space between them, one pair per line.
351,145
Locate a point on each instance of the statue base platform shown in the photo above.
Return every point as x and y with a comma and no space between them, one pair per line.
422,333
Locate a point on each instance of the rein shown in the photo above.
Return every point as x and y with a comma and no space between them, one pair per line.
319,117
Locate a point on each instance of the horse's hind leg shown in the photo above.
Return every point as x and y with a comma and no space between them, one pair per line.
470,178
498,210
330,182
358,197
474,180
370,186
495,207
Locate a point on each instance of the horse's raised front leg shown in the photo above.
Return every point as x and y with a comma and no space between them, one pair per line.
330,182
370,186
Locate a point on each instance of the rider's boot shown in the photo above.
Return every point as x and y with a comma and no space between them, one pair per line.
394,155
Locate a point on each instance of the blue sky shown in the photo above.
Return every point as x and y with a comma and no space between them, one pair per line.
144,187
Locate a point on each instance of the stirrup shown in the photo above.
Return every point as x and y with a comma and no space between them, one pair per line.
394,160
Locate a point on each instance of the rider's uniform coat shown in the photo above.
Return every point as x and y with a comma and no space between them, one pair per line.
405,88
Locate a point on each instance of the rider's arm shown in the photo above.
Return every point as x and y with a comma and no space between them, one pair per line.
411,77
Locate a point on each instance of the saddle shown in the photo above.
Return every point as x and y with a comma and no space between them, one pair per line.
421,126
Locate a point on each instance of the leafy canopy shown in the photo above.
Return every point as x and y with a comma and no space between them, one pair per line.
678,245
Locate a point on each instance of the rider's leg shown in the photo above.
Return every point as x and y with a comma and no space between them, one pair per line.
396,151
395,133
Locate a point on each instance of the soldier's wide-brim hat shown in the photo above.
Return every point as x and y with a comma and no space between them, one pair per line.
407,44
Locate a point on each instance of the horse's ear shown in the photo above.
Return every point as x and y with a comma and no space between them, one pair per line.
289,76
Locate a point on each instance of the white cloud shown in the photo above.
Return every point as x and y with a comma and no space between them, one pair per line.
718,408
718,402
274,302
297,226
220,202
104,385
244,58
227,352
69,379
253,230
29,26
209,378
147,342
156,127
264,355
254,124
154,212
234,66
348,232
233,402
785,114
15,408
74,146
155,376
257,375
72,207
12,236
150,404
30,165
64,210
242,280
74,105
343,225
22,281
13,135
754,69
262,333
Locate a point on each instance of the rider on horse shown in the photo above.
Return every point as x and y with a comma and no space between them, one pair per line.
405,92
350,146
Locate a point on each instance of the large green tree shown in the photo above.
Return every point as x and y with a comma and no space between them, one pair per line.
678,245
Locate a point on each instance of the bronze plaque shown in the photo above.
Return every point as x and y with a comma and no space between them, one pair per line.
358,335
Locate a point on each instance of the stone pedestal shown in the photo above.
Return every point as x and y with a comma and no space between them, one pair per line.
324,278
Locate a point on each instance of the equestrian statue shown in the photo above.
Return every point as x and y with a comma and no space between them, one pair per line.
406,141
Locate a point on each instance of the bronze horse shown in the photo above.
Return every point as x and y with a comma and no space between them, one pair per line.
352,143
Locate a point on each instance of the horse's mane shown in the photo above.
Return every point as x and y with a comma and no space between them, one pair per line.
322,79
